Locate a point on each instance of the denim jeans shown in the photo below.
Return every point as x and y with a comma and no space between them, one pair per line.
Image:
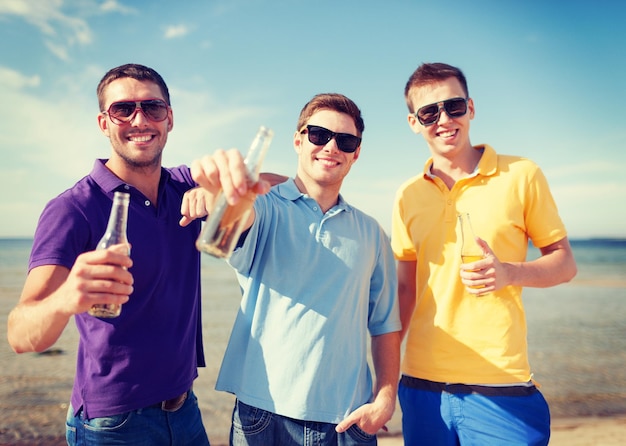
150,426
256,427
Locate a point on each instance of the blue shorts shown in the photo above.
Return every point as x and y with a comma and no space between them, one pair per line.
452,415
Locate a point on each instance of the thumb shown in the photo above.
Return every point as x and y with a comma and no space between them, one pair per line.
262,187
485,247
344,425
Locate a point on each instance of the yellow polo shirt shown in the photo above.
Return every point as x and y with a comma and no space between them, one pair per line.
455,336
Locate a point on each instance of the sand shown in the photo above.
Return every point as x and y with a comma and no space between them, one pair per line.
33,411
35,388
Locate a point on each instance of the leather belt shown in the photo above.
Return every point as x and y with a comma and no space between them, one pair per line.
173,404
454,388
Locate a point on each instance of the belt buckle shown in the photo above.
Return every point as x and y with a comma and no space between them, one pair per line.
174,404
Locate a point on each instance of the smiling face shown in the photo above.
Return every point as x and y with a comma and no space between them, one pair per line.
138,143
448,137
325,166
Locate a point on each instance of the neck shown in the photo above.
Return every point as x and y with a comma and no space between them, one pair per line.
144,178
451,170
325,196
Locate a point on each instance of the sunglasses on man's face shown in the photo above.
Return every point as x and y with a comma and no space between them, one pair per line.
124,111
429,114
321,136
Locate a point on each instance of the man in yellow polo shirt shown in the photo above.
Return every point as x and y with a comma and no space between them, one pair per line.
466,376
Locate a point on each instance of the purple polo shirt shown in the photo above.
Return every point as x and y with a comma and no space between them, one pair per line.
151,352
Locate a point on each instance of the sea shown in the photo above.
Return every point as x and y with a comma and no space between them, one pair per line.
576,336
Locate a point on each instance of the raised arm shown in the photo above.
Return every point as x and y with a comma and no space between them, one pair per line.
52,294
198,201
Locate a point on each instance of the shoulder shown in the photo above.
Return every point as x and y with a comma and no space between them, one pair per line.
369,224
180,175
519,168
414,181
80,198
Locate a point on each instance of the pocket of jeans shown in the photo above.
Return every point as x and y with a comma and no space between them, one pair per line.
360,435
250,420
70,435
107,423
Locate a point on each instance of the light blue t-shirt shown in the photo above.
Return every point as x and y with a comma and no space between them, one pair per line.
313,285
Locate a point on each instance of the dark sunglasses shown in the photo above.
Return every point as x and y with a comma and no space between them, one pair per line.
321,136
429,114
124,111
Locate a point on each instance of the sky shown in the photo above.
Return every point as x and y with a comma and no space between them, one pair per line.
548,79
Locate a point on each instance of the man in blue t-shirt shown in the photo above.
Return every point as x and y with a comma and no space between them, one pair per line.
318,278
134,373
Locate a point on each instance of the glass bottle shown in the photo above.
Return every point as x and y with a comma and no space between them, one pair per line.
114,235
470,249
225,223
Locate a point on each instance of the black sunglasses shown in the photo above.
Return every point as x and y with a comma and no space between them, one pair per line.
429,114
124,111
321,136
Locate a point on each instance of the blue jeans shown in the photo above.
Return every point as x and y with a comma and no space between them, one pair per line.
452,419
150,426
257,427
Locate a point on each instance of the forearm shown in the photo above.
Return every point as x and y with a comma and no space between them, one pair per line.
35,326
407,306
38,320
386,362
556,265
407,289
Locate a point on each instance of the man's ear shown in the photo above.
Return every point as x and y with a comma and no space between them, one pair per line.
415,125
103,123
297,141
170,120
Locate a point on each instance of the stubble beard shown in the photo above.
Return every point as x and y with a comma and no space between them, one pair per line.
140,164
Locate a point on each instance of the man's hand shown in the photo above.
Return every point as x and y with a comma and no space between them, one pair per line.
225,171
196,204
370,418
98,277
53,293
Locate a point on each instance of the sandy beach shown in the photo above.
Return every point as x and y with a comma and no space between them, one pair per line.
34,390
579,343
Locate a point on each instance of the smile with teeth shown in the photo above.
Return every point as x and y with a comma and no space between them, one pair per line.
143,138
448,133
328,162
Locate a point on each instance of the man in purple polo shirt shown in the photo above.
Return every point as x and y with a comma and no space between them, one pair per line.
134,372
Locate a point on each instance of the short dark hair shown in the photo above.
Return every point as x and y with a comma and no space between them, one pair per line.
331,101
135,71
428,73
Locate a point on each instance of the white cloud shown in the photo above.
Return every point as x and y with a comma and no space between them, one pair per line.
595,167
49,141
114,6
593,206
60,31
58,50
176,31
16,80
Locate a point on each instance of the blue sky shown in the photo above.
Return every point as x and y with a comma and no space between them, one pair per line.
548,79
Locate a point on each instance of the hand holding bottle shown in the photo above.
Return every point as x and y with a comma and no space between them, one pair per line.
481,271
114,238
99,277
233,184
